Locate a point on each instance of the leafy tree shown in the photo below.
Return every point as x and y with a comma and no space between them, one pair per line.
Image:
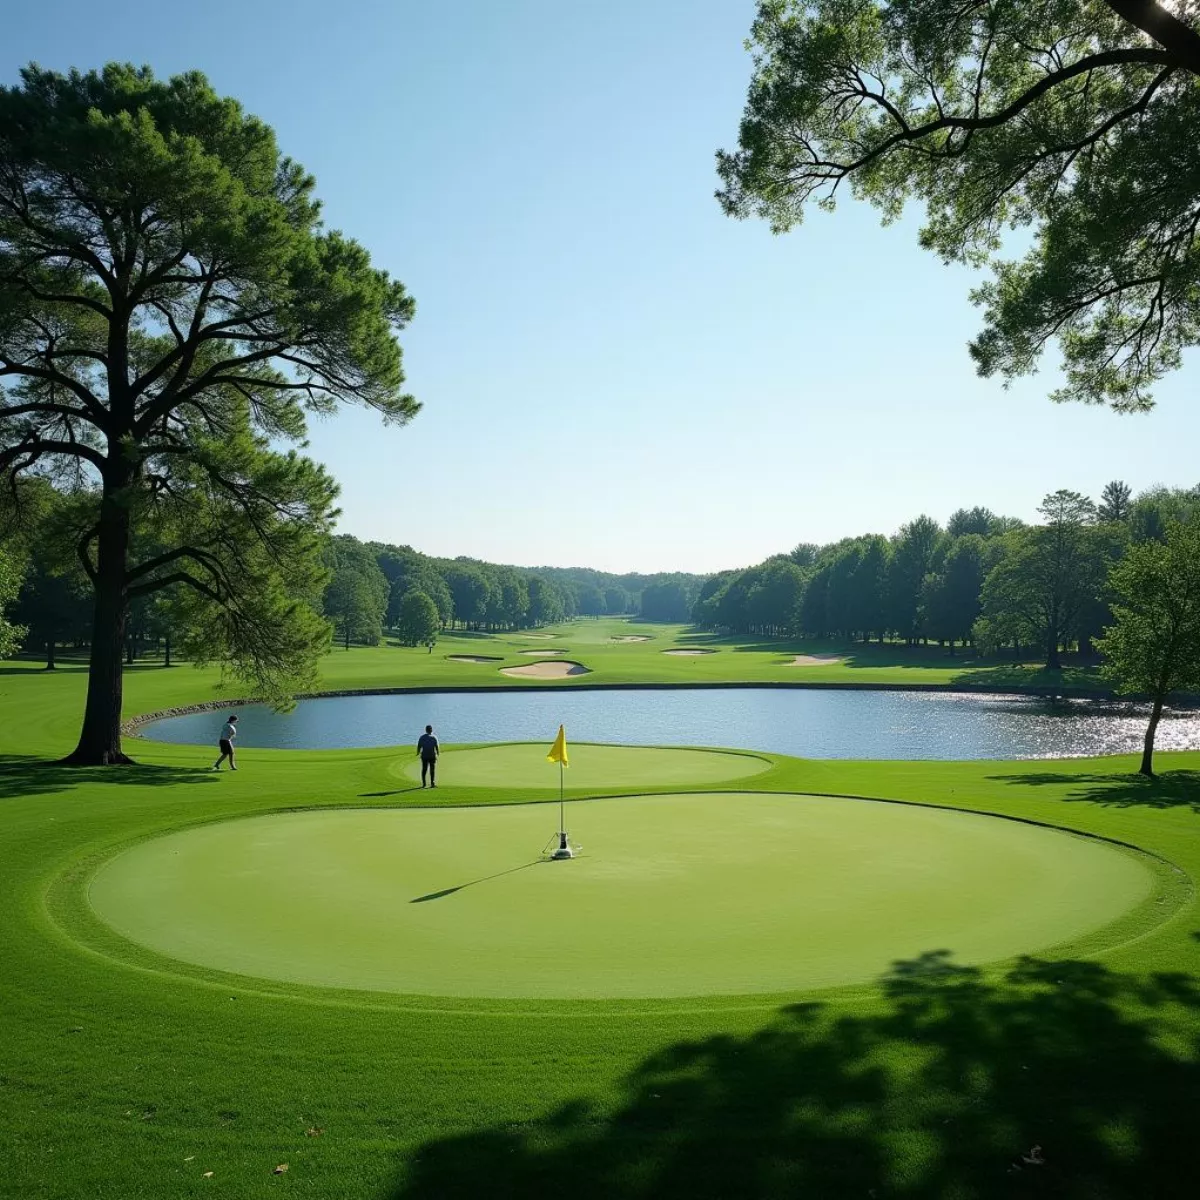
616,600
868,587
417,624
404,570
545,602
591,600
357,594
1153,646
805,554
812,617
952,599
1048,574
976,520
733,603
707,608
170,306
1075,120
772,599
470,590
10,583
514,597
54,603
667,601
1155,510
1115,501
916,552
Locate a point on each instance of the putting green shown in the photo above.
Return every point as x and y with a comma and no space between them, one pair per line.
674,895
592,767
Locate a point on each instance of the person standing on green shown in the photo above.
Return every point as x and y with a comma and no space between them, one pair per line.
225,744
427,748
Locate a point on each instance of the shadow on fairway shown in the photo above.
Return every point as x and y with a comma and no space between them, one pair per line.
1049,1082
463,886
1171,789
24,775
416,787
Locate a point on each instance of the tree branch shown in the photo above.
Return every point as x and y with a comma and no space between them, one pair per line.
157,585
1179,39
85,557
209,561
37,446
94,407
915,133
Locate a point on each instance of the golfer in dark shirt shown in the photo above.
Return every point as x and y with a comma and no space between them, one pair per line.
427,748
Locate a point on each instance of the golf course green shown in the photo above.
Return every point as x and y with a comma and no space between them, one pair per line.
754,981
592,766
671,896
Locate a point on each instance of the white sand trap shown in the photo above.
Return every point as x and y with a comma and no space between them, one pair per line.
541,637
815,660
688,653
630,637
474,658
541,653
552,668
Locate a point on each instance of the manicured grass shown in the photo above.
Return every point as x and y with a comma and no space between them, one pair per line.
594,768
122,1076
672,896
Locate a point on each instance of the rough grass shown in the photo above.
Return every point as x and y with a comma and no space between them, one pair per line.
120,1079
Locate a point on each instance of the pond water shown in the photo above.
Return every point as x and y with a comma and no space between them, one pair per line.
807,722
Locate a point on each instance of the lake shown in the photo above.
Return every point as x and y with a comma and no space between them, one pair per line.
806,722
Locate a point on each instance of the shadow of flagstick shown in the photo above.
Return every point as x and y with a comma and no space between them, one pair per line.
484,879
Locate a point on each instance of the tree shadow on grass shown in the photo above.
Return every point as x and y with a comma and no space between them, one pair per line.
25,775
1050,1082
1171,789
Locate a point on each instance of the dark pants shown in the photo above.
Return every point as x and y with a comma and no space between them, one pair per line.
429,766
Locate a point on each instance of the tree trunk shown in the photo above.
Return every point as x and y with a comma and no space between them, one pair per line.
1053,662
50,654
100,737
166,649
1147,767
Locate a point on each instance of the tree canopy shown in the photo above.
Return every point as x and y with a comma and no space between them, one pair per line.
10,583
1073,120
170,308
417,623
1153,645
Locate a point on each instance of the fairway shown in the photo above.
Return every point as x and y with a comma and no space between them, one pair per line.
674,895
592,766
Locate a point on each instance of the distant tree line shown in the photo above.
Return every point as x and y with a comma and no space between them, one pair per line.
375,586
366,590
983,582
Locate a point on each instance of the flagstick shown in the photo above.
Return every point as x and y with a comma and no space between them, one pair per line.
562,819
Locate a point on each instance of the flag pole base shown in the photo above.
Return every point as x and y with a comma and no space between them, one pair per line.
560,847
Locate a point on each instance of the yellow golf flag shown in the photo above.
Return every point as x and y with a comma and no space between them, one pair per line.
558,752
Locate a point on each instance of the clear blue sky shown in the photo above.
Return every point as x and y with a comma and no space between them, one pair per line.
614,374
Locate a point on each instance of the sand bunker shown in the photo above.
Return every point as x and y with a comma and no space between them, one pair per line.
556,668
815,660
474,658
541,653
631,637
542,637
689,653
